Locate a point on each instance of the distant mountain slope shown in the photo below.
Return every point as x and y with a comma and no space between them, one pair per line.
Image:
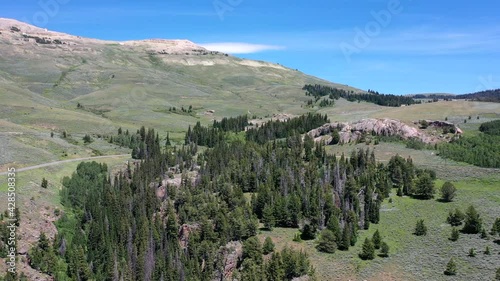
48,74
489,95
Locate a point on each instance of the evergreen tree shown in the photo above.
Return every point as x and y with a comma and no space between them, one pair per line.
384,250
454,234
487,251
455,218
45,183
473,222
448,191
399,192
268,217
368,250
335,137
495,229
167,142
327,241
42,256
472,252
87,139
334,226
420,228
251,271
484,235
376,239
424,187
346,239
252,249
268,246
274,268
451,268
308,232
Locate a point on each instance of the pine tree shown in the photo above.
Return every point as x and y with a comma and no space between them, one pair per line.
454,234
384,250
495,229
472,252
346,239
451,268
424,186
334,226
455,218
368,250
376,239
420,228
327,242
268,246
268,217
448,191
252,249
167,142
487,251
274,268
45,183
251,271
399,192
473,222
335,137
308,232
484,235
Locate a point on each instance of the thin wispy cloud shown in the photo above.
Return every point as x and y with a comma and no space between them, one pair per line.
240,48
411,41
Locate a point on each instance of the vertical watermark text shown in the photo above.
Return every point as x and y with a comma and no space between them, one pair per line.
12,222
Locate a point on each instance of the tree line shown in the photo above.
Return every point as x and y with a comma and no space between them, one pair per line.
481,150
375,97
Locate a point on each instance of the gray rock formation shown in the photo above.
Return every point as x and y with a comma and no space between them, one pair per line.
351,132
231,253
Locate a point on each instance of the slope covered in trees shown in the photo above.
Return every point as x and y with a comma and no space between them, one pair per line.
482,150
318,91
491,128
488,95
132,227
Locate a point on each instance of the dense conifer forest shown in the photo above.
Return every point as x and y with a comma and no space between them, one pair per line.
318,91
135,226
481,150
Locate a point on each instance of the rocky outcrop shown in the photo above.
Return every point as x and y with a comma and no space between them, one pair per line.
231,254
184,232
351,132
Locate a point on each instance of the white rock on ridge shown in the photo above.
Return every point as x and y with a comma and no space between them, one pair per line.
351,132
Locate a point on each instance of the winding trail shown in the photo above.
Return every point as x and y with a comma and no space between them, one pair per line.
66,161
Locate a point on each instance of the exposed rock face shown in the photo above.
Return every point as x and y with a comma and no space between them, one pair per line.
184,232
441,124
231,253
351,132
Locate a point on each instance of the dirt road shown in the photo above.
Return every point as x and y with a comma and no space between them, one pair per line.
65,161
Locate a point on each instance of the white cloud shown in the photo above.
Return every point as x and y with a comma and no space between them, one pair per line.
240,48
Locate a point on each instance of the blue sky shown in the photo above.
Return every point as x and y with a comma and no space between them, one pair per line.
392,46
